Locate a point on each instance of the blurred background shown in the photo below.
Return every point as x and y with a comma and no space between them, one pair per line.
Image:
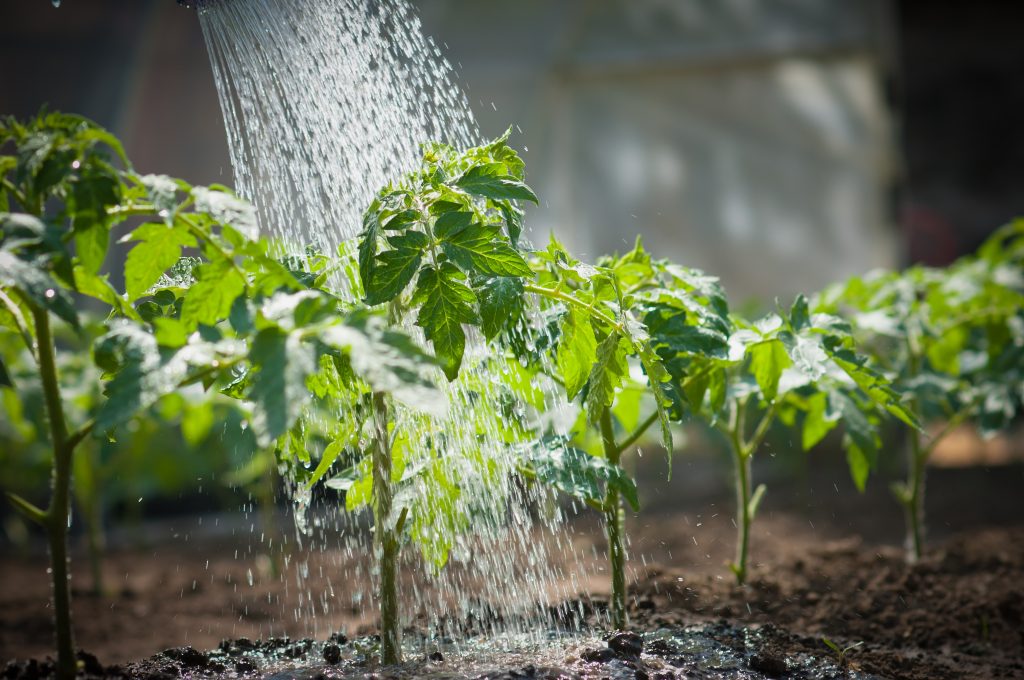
778,143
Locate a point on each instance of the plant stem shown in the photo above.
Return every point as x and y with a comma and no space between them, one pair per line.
742,460
917,456
57,513
913,508
637,433
390,628
741,457
553,294
614,517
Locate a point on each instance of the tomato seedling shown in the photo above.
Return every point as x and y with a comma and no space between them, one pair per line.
953,339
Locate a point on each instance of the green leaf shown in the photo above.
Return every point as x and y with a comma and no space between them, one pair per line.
513,222
279,384
99,287
860,441
755,500
451,223
228,209
392,273
477,248
159,249
91,245
444,306
490,181
860,462
38,286
170,332
368,243
501,304
330,454
389,361
799,315
210,298
578,474
768,359
606,375
818,420
401,220
577,350
873,384
138,383
659,379
162,192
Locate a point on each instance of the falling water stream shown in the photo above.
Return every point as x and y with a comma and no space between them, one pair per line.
325,101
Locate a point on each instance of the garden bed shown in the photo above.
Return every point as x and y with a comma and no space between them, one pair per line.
959,613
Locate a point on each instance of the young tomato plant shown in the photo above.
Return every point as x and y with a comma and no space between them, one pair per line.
742,377
440,249
596,336
61,196
951,338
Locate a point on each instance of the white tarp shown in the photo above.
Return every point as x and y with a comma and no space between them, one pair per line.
745,137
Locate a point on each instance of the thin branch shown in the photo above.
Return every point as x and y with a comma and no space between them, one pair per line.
762,428
555,294
19,321
14,190
638,432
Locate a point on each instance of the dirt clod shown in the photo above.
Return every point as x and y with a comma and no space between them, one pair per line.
626,645
602,655
768,663
188,657
332,653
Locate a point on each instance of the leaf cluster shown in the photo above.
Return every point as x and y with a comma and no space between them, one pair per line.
453,228
952,338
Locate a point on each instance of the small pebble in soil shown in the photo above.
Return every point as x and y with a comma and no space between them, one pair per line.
332,653
603,655
436,656
629,645
770,664
245,666
188,657
89,663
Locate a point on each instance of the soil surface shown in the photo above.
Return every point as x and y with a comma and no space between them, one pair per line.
825,565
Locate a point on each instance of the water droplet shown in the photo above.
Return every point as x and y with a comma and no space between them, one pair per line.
74,164
55,3
50,293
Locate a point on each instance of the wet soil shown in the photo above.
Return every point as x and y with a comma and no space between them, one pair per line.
824,566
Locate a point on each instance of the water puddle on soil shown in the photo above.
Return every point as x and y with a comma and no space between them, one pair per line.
705,651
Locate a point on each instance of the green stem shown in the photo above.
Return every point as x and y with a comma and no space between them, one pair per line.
741,458
19,321
553,294
637,433
913,509
18,195
57,513
390,628
917,456
614,517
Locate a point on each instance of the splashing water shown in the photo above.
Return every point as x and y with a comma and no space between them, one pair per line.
325,101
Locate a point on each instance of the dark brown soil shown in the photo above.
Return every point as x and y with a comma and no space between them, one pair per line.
959,613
